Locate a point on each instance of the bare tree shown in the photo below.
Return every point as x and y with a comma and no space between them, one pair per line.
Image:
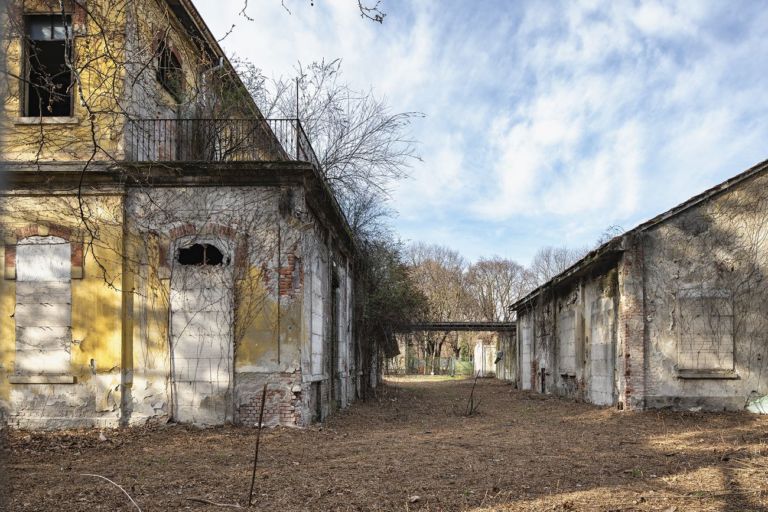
550,261
493,284
609,234
361,145
439,272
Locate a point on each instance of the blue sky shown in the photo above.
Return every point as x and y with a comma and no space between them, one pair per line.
546,122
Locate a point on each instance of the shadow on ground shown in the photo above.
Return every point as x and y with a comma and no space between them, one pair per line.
411,448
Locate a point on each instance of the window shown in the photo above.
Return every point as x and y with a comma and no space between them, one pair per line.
201,254
43,305
47,49
566,337
317,326
705,331
169,72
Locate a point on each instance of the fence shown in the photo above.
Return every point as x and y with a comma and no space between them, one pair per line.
218,140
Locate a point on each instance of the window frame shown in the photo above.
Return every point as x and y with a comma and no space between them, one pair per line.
26,68
163,72
700,294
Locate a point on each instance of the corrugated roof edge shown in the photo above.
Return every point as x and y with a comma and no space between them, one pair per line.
616,244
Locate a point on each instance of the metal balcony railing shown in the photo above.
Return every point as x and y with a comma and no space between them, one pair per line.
218,140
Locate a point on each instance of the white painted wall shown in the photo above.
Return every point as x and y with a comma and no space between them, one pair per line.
201,340
43,312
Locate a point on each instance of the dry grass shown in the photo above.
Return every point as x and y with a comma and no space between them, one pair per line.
520,452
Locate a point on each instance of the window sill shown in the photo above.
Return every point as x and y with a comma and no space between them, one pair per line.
42,379
707,374
47,120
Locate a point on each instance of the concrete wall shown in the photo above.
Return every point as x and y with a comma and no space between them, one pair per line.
507,368
680,320
567,340
706,313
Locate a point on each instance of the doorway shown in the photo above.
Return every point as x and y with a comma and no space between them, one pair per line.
201,309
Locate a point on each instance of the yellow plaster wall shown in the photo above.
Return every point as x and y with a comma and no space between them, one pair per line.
95,127
257,345
96,299
7,332
114,60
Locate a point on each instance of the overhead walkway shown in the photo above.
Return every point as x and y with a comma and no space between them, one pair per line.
458,326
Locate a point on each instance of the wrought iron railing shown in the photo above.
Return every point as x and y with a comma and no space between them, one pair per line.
218,140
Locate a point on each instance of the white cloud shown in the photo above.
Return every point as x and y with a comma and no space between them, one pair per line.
563,116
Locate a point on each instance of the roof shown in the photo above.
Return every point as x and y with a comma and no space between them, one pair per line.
616,244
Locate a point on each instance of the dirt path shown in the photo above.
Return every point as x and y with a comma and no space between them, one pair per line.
521,452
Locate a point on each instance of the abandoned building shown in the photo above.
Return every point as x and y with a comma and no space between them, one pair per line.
167,250
673,313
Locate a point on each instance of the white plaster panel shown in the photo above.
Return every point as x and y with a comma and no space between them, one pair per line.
43,258
51,292
43,314
201,337
39,361
601,354
318,314
526,341
566,337
43,338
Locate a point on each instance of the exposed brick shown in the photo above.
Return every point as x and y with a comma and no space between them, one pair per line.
76,258
10,256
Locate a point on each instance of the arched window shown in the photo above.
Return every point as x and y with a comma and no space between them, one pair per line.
201,254
169,71
43,305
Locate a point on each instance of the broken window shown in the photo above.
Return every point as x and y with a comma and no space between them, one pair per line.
201,254
169,71
43,305
705,329
47,51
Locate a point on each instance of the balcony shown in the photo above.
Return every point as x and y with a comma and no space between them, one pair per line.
218,140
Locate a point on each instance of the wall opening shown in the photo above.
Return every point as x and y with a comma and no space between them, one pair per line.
169,71
201,254
48,47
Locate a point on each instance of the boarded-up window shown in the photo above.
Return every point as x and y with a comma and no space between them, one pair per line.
705,330
526,342
43,305
566,336
318,314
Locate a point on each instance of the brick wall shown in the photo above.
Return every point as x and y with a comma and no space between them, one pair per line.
631,327
283,404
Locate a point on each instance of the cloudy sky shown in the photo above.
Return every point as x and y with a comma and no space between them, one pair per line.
546,122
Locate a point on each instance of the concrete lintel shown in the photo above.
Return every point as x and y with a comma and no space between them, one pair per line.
47,120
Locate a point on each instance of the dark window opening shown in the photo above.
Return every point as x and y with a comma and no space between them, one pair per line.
201,254
48,48
169,72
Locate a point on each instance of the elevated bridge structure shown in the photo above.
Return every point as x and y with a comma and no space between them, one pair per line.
457,326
